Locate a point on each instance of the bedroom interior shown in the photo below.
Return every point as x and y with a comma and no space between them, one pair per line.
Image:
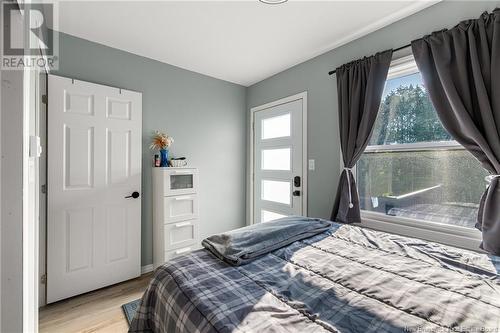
250,166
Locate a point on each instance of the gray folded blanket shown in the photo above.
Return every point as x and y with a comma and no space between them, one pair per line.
240,246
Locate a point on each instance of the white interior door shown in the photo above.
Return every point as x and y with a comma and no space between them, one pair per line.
94,163
279,155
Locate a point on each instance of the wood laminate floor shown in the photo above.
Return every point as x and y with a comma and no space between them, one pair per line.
96,311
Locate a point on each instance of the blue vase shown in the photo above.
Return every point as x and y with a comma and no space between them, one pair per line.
164,157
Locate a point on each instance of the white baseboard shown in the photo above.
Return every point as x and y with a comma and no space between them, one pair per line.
146,269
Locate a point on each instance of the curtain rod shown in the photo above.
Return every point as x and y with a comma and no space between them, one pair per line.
395,50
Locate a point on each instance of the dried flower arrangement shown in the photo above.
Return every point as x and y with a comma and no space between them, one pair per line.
161,141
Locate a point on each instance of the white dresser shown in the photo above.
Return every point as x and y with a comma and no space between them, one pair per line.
175,212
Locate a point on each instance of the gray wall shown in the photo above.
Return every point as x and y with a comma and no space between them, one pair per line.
205,116
11,194
312,76
11,232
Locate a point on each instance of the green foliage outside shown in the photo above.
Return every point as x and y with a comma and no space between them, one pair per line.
406,115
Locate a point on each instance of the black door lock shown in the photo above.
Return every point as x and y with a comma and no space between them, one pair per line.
296,181
134,195
296,193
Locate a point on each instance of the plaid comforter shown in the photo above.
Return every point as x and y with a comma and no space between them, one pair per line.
348,279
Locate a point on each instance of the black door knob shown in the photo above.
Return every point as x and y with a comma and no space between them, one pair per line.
134,195
296,193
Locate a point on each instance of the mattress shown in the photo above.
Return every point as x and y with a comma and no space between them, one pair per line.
348,279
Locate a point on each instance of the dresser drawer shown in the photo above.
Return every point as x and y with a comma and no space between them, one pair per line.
179,181
180,208
180,234
175,253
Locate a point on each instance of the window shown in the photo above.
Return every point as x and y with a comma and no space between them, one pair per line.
412,167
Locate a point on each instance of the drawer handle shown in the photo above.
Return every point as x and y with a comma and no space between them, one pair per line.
182,172
183,224
184,250
187,197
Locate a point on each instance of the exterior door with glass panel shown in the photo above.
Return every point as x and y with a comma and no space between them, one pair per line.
278,161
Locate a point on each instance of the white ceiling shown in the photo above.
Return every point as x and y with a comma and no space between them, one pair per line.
237,41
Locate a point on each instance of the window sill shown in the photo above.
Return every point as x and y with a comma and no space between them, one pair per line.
436,232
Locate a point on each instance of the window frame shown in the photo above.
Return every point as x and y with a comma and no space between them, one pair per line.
434,231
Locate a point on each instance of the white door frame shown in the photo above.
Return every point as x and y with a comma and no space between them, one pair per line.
26,161
300,96
30,200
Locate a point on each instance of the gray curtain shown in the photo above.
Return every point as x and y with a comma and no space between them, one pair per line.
461,70
360,85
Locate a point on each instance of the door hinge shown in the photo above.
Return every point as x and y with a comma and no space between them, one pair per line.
44,99
43,279
43,188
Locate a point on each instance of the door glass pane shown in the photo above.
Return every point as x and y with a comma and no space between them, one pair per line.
276,159
277,191
267,216
276,127
178,182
